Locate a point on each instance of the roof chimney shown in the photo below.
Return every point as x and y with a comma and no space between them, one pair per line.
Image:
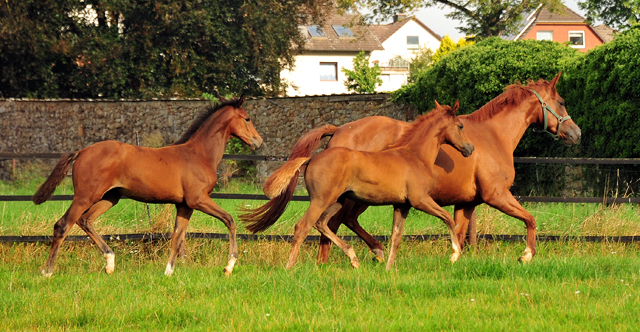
399,17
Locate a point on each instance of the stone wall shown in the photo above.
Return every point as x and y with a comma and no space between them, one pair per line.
64,125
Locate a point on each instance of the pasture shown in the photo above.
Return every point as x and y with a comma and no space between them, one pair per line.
568,285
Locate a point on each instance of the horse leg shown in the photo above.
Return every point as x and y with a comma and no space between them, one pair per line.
353,224
322,227
61,230
301,231
473,229
206,205
509,205
400,213
183,214
86,223
463,217
428,205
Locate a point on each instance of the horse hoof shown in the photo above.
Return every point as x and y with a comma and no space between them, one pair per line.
355,264
379,258
168,271
454,258
227,272
46,274
525,258
108,270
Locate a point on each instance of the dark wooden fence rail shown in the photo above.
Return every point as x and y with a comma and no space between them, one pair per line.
521,160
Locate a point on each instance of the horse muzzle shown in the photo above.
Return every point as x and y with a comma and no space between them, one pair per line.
256,143
572,135
467,150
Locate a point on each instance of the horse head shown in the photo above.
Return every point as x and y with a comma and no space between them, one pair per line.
554,117
454,133
242,127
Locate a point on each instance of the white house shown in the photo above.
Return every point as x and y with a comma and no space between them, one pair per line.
333,46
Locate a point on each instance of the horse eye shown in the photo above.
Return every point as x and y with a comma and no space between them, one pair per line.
461,127
247,119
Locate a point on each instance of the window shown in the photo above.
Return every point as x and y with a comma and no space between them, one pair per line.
328,71
413,42
576,39
544,35
342,31
316,31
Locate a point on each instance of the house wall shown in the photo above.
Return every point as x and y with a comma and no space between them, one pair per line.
395,45
306,74
561,34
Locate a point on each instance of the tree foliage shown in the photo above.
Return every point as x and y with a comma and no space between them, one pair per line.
619,14
603,92
482,18
141,49
362,78
420,62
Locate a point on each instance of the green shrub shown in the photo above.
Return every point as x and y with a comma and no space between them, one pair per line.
603,93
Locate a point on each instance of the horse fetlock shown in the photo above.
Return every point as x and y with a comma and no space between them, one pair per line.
46,273
454,257
110,258
169,270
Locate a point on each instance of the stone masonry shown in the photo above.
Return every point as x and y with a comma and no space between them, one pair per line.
66,125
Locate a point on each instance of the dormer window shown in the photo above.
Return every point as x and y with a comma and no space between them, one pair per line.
342,31
316,31
413,42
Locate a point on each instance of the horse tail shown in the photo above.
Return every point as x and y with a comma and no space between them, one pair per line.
57,175
264,216
280,191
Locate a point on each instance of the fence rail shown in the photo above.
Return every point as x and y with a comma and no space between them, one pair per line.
314,238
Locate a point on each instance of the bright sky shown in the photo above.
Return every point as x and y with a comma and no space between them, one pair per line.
434,18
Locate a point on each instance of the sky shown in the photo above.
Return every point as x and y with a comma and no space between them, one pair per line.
435,19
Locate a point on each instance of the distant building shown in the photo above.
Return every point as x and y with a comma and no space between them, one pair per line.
333,46
562,26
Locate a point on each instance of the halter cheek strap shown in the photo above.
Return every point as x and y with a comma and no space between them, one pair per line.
545,108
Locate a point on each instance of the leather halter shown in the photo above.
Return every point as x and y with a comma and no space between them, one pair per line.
545,108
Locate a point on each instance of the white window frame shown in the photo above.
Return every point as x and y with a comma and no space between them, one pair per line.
413,46
584,41
544,31
326,63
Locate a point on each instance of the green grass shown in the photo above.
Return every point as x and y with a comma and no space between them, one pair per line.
568,286
571,286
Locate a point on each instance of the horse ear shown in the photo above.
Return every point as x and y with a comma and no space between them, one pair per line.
437,104
456,106
554,81
220,97
241,100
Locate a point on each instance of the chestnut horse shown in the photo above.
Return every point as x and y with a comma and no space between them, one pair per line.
495,130
401,176
183,174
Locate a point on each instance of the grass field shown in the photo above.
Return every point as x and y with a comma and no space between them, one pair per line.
570,286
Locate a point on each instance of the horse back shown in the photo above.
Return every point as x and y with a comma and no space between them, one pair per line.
374,133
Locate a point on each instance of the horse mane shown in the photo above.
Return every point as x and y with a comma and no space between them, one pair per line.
203,117
407,136
514,94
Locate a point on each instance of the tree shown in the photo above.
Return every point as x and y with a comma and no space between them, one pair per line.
362,78
420,62
142,49
619,14
483,18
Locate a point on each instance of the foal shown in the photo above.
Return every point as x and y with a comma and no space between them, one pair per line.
401,176
182,174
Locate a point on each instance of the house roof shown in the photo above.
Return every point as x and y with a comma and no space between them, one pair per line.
564,15
604,32
384,31
364,39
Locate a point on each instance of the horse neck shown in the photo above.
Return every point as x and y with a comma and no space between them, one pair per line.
510,125
427,141
211,139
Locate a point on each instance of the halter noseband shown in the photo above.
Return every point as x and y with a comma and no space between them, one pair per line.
545,108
